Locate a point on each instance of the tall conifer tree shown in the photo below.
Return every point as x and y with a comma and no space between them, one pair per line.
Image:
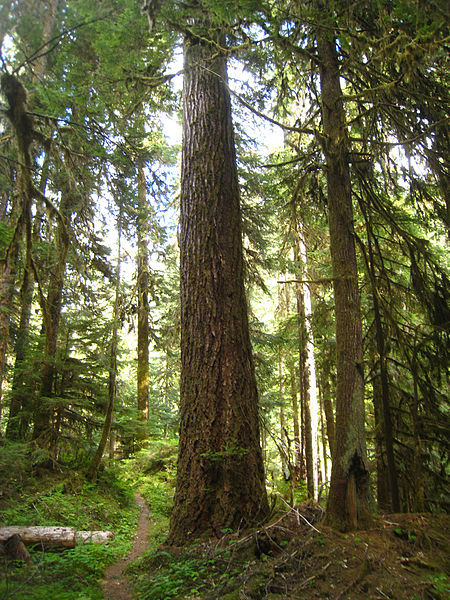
220,481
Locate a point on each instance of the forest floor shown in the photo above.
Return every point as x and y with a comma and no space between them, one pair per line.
292,557
115,584
401,557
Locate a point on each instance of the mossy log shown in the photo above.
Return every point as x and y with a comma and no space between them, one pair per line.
66,537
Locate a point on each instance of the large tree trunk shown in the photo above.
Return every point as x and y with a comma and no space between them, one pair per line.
21,404
142,291
220,479
22,126
348,498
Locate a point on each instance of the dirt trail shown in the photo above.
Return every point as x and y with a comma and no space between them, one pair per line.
115,585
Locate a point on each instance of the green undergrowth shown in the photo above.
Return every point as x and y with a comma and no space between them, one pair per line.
152,472
66,499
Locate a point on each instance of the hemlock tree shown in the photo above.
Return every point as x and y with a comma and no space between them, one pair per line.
220,479
348,498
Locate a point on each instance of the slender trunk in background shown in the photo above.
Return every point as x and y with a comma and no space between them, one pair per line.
349,489
220,476
307,361
324,441
283,308
328,409
296,424
143,311
384,380
43,432
166,391
95,464
383,497
285,458
419,484
305,420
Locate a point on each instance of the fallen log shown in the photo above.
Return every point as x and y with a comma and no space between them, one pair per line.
67,537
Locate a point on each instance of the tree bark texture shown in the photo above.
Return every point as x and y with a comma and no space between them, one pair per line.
348,498
220,481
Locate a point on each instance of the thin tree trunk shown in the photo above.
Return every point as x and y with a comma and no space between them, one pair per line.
285,458
328,409
143,311
283,304
284,446
324,441
51,308
419,486
349,490
296,424
383,496
307,362
106,432
384,383
220,479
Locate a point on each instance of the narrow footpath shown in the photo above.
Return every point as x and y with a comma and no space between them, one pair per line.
115,584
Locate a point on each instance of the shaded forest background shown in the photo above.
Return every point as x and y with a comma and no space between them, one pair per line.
89,201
